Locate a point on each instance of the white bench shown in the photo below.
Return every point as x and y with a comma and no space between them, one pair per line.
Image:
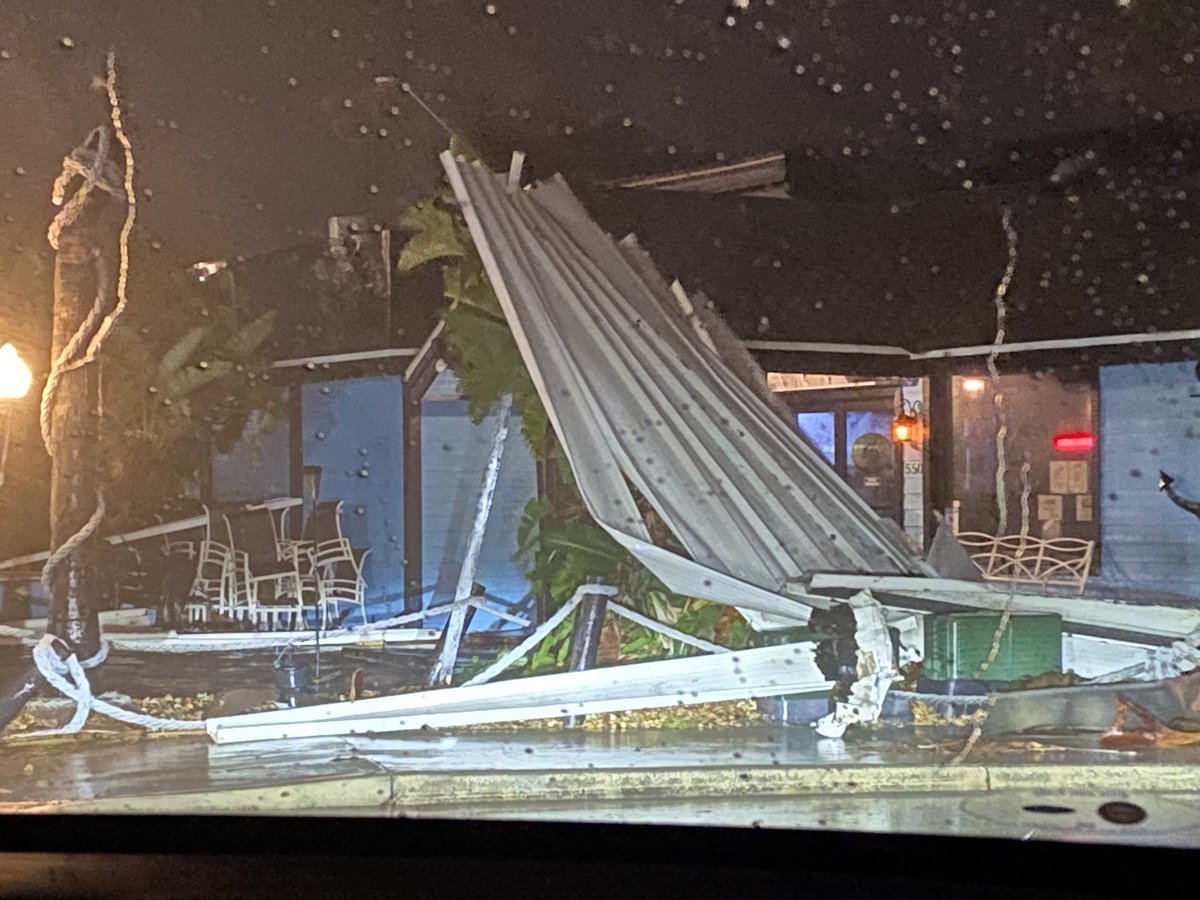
1030,560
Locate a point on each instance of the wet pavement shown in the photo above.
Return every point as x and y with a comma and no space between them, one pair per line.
772,776
1170,819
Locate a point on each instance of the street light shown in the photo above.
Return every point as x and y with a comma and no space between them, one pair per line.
15,377
15,381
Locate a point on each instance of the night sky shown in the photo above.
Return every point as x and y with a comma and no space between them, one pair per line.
254,120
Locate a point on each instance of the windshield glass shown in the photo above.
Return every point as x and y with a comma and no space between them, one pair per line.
752,413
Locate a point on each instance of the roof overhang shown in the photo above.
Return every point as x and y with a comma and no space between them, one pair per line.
977,350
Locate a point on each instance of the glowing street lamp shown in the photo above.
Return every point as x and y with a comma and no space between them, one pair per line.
15,377
15,381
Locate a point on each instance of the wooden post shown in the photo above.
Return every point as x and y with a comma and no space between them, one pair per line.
585,639
74,432
939,459
417,379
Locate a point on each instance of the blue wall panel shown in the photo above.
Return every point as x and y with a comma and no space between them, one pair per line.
353,430
454,457
1149,420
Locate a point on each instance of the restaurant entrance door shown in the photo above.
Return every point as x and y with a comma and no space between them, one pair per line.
852,429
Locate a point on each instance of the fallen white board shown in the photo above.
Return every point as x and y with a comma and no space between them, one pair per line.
1175,623
763,672
249,640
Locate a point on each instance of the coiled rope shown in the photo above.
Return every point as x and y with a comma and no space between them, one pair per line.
69,677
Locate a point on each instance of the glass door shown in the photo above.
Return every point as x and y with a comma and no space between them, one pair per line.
852,430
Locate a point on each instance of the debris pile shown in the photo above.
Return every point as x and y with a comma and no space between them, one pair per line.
925,716
702,716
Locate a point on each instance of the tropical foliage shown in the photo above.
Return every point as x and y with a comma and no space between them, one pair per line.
561,542
183,377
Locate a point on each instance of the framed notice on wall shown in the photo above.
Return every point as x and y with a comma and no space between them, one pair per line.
1083,508
1049,507
1069,476
1077,477
1059,478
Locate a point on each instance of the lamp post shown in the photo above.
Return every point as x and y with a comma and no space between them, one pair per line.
15,381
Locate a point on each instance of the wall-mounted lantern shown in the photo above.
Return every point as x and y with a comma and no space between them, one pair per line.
909,425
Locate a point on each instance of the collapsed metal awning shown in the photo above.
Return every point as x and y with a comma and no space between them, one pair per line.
641,404
763,672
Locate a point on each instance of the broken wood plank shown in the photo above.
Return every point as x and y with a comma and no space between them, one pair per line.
762,672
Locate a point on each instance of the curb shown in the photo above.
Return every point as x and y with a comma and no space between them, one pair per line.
420,791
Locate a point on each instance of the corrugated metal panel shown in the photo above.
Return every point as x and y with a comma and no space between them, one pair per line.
634,394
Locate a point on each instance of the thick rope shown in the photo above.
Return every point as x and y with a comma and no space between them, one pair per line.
114,104
1010,269
990,701
1026,492
70,679
70,358
75,541
97,172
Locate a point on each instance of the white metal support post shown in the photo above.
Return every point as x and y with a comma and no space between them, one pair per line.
443,668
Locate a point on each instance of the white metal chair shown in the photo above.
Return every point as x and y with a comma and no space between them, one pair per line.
339,573
210,588
257,561
272,614
1030,560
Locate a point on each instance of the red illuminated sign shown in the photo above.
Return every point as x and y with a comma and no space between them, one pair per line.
1075,442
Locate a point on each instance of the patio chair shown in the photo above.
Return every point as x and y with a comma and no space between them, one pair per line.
298,539
186,543
256,561
339,574
270,613
325,524
211,586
